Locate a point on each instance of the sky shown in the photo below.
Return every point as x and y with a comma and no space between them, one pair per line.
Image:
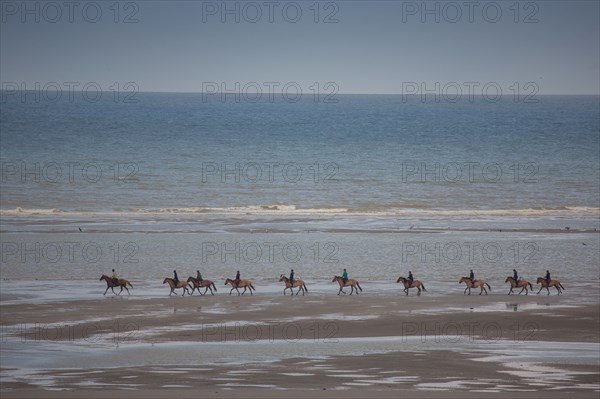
352,47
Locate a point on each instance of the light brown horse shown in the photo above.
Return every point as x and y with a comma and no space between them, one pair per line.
553,283
297,283
478,284
180,284
247,284
521,283
352,283
109,284
415,284
196,285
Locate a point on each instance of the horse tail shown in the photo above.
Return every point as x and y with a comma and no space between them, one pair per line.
251,286
213,284
530,286
358,285
305,289
423,286
488,286
130,284
561,286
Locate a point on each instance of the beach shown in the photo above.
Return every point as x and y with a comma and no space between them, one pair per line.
319,344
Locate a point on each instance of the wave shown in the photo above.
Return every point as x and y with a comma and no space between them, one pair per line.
328,210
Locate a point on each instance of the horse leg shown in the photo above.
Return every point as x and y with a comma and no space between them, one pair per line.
406,290
127,289
419,291
230,291
469,290
106,290
465,291
548,290
284,290
120,291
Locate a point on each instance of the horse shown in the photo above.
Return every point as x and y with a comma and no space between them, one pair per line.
521,283
109,284
297,283
477,284
196,285
247,284
180,284
415,284
553,283
352,283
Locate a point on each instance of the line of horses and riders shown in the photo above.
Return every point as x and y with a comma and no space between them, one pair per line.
198,283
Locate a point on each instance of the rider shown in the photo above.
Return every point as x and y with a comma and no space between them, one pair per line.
113,276
237,278
175,278
199,276
292,277
548,276
345,276
472,277
515,275
410,279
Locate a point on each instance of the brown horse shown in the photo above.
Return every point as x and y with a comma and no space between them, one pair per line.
415,284
196,285
180,284
109,284
247,284
352,283
478,284
297,283
553,283
521,283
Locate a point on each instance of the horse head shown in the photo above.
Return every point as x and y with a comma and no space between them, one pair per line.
401,279
165,280
103,277
508,279
539,280
335,278
282,278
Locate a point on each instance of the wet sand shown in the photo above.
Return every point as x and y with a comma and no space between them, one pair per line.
317,345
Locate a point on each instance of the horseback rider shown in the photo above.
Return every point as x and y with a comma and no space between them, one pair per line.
292,277
548,276
237,278
472,277
345,276
515,275
410,279
114,278
199,276
175,278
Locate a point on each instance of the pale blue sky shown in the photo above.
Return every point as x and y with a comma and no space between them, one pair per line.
374,47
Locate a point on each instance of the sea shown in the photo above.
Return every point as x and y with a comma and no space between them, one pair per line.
376,184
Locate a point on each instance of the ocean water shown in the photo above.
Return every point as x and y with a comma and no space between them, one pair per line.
378,184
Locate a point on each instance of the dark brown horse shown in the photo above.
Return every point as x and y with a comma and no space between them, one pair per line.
196,285
180,284
109,284
415,284
477,284
553,283
247,284
516,284
352,283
